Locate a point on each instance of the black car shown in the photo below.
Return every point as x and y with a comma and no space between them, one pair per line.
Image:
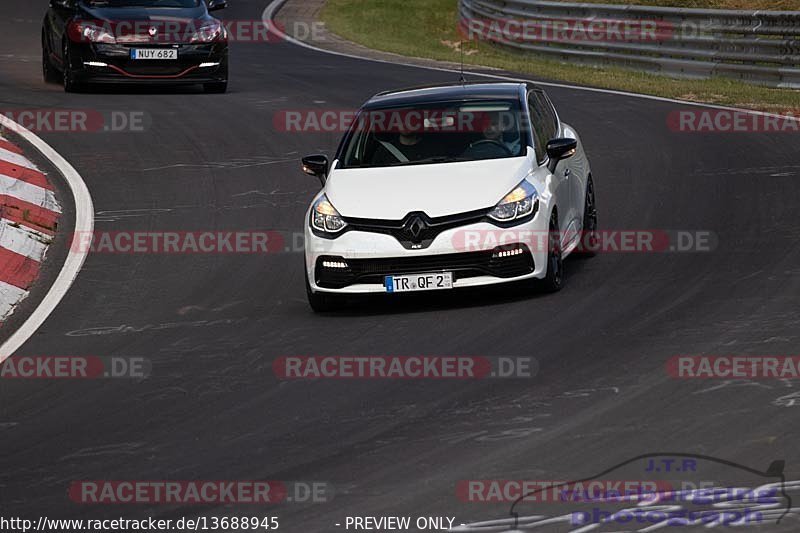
135,41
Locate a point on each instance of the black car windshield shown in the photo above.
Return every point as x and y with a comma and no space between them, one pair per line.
143,3
436,133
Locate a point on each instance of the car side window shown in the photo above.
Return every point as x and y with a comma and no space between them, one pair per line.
539,130
545,122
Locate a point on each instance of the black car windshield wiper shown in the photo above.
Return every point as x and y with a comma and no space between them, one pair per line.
436,159
135,3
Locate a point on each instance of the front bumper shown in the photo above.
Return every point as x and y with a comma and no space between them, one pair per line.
470,252
112,63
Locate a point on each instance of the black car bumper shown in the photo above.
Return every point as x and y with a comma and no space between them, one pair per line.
106,63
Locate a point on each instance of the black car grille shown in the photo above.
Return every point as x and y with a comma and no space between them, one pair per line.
462,265
416,230
143,68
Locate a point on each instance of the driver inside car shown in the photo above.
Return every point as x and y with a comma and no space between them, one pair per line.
409,146
499,130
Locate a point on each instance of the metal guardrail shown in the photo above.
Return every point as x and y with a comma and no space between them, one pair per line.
760,47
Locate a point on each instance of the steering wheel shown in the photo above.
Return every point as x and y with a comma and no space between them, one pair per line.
492,142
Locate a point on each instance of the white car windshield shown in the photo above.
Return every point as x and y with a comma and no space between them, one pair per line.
436,133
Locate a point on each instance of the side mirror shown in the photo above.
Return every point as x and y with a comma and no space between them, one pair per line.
316,165
216,5
558,149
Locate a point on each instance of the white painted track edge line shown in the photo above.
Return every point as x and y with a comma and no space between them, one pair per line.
84,222
269,12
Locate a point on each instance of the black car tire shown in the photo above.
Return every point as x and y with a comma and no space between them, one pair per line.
70,85
554,279
589,243
49,73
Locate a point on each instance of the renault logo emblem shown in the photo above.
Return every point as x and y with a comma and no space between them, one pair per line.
415,226
152,31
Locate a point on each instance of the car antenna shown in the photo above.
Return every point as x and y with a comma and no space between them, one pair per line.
461,47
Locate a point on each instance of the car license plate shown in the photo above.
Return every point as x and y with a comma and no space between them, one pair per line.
419,282
154,53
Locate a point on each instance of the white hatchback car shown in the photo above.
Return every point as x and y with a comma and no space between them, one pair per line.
448,186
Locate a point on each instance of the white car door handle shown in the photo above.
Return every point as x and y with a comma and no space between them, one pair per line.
567,172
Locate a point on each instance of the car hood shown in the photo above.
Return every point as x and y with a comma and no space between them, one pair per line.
390,193
139,13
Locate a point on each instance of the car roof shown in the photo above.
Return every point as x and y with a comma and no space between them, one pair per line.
445,93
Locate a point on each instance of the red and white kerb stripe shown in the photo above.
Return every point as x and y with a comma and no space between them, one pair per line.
28,215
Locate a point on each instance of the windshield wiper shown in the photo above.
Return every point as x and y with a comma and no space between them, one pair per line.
436,159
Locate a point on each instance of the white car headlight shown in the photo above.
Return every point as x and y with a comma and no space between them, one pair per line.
519,203
325,217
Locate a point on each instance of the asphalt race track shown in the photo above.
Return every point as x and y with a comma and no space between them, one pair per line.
212,324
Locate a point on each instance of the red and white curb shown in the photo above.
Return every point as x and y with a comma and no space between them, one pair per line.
28,216
29,213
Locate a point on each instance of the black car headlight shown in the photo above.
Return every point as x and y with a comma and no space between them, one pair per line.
87,31
209,33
